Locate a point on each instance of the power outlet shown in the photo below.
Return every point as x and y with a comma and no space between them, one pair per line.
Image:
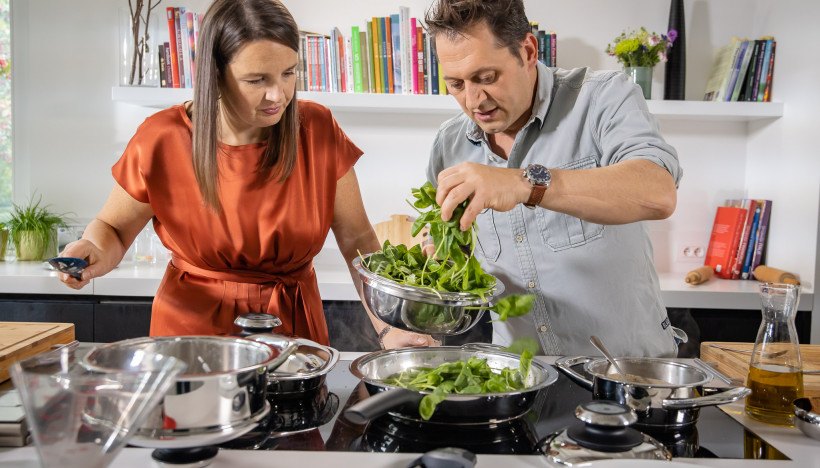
690,253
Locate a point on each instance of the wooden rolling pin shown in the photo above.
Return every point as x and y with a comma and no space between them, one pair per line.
699,275
773,275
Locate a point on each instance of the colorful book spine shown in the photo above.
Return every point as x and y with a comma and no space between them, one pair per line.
183,73
172,34
726,230
764,73
376,58
433,66
750,247
367,79
396,58
386,71
730,84
414,64
163,80
767,97
738,257
420,59
190,22
356,49
169,73
442,85
760,240
406,53
553,49
387,42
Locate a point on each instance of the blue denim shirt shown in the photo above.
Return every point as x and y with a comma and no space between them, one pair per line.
588,278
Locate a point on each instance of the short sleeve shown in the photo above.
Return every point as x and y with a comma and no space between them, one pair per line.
627,130
128,171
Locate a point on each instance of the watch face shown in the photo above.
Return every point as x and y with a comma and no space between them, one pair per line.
538,174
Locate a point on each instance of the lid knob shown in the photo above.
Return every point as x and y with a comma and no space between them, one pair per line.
256,323
604,427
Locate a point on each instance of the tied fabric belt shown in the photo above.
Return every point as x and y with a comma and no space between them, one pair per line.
250,288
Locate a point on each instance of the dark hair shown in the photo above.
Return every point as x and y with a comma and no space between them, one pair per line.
226,27
505,18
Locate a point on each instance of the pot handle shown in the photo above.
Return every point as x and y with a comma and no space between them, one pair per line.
283,345
379,404
467,323
720,398
565,364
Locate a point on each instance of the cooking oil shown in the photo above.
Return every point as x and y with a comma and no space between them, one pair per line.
774,388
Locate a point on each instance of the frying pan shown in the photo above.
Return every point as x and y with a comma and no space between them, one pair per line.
374,368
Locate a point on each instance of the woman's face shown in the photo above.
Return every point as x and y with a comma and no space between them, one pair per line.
258,85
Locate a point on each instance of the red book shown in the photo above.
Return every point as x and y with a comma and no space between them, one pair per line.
723,243
172,34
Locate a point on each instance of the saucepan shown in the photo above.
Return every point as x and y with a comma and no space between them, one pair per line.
666,395
220,396
375,367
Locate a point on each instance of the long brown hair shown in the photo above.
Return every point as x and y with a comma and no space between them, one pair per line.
227,26
506,19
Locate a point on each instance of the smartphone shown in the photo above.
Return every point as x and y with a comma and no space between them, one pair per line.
70,265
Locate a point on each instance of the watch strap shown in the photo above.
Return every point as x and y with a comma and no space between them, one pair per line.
536,195
384,333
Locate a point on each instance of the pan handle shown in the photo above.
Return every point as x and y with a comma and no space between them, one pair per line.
379,404
565,364
719,398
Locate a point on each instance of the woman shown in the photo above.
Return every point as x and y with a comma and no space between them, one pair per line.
242,185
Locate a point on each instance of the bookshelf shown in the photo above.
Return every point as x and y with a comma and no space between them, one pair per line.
436,104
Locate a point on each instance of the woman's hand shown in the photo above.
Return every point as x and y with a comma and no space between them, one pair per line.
396,338
86,250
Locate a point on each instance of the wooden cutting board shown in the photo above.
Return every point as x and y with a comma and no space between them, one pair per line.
19,340
735,365
397,230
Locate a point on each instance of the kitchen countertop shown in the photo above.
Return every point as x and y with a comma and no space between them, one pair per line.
142,280
803,451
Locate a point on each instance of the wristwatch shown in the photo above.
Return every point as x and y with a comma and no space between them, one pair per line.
540,178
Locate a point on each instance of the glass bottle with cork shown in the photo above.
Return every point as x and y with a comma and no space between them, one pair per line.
775,370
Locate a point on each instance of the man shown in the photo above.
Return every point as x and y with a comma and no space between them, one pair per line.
560,167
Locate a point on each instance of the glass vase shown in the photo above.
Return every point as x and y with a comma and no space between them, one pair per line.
642,76
775,368
139,47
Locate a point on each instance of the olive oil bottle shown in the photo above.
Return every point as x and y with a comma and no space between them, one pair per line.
775,370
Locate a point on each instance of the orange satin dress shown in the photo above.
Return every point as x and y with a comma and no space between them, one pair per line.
257,254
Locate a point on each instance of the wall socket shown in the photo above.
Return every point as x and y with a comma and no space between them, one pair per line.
690,253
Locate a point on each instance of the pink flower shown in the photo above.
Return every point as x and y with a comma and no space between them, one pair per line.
654,40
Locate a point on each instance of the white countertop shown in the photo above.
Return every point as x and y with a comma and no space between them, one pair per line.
142,280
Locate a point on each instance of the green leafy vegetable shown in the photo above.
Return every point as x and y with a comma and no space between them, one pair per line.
473,376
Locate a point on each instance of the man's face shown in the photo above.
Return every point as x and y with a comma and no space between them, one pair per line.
492,86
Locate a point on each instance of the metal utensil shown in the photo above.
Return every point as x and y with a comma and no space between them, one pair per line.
599,345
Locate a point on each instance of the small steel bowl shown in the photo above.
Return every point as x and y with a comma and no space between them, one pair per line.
421,310
807,417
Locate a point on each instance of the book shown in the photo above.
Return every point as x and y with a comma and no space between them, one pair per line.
764,72
395,32
172,34
376,55
163,80
434,77
367,80
15,440
420,59
183,78
744,66
739,256
553,49
721,70
760,238
387,43
414,64
758,68
356,49
745,92
168,71
726,93
747,259
726,230
190,21
767,92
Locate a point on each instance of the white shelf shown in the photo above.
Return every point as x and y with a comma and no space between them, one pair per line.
719,293
433,104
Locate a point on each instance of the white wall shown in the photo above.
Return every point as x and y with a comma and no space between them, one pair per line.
68,127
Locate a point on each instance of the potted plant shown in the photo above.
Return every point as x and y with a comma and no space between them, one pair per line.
639,51
33,229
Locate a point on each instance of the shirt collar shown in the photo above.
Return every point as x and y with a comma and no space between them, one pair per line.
540,106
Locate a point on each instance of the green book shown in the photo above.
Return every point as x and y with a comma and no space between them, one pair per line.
355,49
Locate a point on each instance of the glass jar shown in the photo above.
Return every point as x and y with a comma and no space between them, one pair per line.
775,370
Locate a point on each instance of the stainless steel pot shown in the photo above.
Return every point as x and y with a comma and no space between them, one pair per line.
304,370
660,407
221,395
421,310
375,367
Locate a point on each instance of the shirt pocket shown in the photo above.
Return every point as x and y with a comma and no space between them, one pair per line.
561,231
488,242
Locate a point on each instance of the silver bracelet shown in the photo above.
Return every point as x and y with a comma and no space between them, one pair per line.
384,333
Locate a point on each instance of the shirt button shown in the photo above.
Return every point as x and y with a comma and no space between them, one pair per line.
519,238
531,284
542,328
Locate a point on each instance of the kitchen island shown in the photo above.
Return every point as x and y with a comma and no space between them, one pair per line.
802,451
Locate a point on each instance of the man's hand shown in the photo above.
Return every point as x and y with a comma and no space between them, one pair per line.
84,249
396,338
500,189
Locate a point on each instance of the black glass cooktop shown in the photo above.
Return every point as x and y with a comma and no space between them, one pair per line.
315,422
